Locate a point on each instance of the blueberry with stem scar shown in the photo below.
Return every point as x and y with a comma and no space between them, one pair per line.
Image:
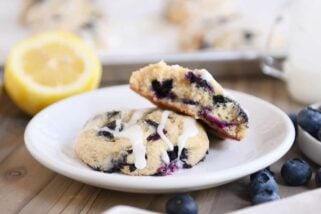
263,181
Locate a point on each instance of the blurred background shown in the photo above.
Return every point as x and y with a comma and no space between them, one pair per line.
233,39
143,31
230,38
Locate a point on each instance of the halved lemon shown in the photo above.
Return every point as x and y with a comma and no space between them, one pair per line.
47,67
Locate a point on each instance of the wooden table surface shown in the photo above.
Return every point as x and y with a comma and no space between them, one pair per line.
29,187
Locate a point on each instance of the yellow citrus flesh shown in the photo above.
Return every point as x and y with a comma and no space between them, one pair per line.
48,67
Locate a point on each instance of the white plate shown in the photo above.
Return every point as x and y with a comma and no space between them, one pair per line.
50,136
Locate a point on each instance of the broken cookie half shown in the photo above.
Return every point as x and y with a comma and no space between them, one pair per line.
193,92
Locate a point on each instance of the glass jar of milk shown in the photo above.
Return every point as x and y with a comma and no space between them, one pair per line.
302,67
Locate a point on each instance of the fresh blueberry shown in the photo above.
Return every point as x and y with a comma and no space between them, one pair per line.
181,204
310,120
318,178
296,172
263,181
265,196
256,174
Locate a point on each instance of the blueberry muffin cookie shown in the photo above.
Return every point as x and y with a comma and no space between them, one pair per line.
193,92
141,142
224,33
181,11
82,17
213,24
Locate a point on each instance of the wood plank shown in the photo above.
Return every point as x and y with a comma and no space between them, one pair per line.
108,198
23,178
48,196
231,196
12,125
81,200
68,195
158,203
207,200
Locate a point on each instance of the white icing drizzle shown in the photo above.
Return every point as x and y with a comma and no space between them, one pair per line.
206,76
189,130
134,133
107,130
165,157
118,121
136,116
161,127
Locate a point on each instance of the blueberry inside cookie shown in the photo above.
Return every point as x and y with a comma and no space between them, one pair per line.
193,92
142,142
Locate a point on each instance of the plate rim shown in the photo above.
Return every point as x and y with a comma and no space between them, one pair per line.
133,183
